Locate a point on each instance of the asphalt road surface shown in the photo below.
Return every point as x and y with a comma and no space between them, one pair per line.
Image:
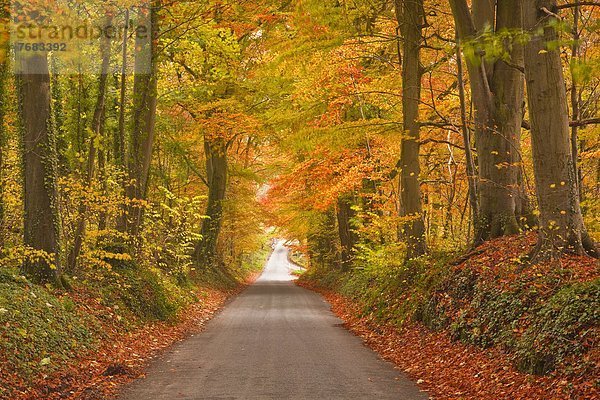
275,341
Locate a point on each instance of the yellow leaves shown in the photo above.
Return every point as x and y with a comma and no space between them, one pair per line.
19,255
107,255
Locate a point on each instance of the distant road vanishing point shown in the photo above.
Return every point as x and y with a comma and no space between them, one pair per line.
275,341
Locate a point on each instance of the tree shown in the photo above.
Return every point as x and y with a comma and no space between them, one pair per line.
497,90
42,218
410,15
144,117
215,149
561,222
346,229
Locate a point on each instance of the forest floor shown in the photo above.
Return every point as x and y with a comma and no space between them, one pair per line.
122,356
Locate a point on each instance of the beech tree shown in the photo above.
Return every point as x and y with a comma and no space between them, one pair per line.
346,228
215,149
42,218
139,152
561,223
410,15
497,90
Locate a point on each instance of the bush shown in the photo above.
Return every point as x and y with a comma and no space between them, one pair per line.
144,294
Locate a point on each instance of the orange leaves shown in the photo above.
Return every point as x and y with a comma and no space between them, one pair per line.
340,83
227,125
318,182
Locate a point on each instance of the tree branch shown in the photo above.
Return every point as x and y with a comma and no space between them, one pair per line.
584,122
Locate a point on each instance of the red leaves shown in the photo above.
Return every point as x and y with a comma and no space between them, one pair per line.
499,262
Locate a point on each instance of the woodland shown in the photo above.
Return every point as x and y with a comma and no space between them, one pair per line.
433,164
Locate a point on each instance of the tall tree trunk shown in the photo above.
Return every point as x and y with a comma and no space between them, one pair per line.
348,237
102,176
575,101
42,219
561,222
508,87
217,175
97,123
119,141
466,133
410,15
58,118
497,93
144,117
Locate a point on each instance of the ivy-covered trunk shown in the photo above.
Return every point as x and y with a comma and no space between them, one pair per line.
323,241
144,117
41,218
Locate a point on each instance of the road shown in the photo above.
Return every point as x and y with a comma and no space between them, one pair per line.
275,341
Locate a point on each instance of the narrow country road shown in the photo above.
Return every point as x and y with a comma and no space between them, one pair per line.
274,341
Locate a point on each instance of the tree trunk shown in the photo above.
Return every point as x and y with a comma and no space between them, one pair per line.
97,122
119,142
217,175
323,246
348,237
497,93
144,117
575,102
411,19
561,222
58,120
41,219
466,133
508,88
